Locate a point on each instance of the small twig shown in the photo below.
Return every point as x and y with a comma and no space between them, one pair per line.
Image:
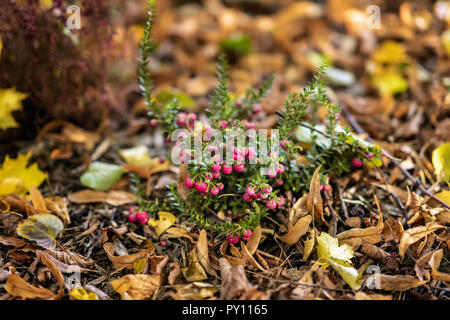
354,123
341,199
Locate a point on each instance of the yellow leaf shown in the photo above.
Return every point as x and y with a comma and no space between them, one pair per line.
166,220
81,294
137,286
45,4
390,52
441,161
445,38
328,248
330,253
444,196
10,100
389,81
139,265
138,156
195,271
16,176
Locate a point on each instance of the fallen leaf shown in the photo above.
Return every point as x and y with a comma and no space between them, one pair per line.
314,200
194,291
42,229
194,271
101,176
297,231
114,198
139,156
178,232
18,287
413,235
82,294
38,200
202,251
16,177
234,281
356,236
136,286
398,282
58,206
393,230
441,161
309,245
166,219
10,101
444,195
253,242
435,262
126,261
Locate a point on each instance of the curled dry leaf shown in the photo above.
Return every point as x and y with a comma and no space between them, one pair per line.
126,261
234,281
38,200
178,232
393,230
253,242
234,261
250,258
136,286
56,273
202,251
297,231
71,258
314,203
114,198
195,271
356,236
413,235
435,262
309,244
58,206
18,287
194,291
18,204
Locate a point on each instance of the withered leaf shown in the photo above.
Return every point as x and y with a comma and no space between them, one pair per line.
114,198
18,287
297,231
195,271
413,235
136,286
126,261
234,281
398,282
202,251
356,236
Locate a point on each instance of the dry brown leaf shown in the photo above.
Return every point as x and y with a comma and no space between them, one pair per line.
178,232
309,244
398,282
136,286
435,262
364,296
234,261
126,261
195,271
38,200
55,272
19,204
71,258
413,235
174,273
297,231
392,230
114,198
250,257
58,206
356,236
202,251
234,281
12,241
374,252
18,287
314,203
253,242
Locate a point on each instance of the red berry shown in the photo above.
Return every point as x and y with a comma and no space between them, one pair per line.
163,244
189,183
280,168
250,190
220,186
279,182
247,235
233,240
208,176
280,201
257,108
272,173
223,124
285,143
216,175
239,167
142,217
216,168
246,197
201,186
153,122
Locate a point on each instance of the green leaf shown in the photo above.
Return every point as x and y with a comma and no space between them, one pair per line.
42,229
101,176
239,44
441,161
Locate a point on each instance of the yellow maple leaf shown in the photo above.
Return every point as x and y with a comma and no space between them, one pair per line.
16,177
10,100
166,220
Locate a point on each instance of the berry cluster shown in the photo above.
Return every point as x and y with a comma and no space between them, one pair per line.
135,215
233,239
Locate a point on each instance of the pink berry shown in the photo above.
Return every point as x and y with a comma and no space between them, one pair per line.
279,182
233,240
189,183
239,158
153,122
246,152
247,235
250,190
328,187
280,201
280,168
246,197
227,169
142,217
214,191
216,168
238,103
369,156
191,117
223,124
272,173
267,188
256,195
271,204
163,244
357,162
132,218
239,167
263,195
285,143
257,108
220,186
251,125
181,118
201,186
216,175
208,176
